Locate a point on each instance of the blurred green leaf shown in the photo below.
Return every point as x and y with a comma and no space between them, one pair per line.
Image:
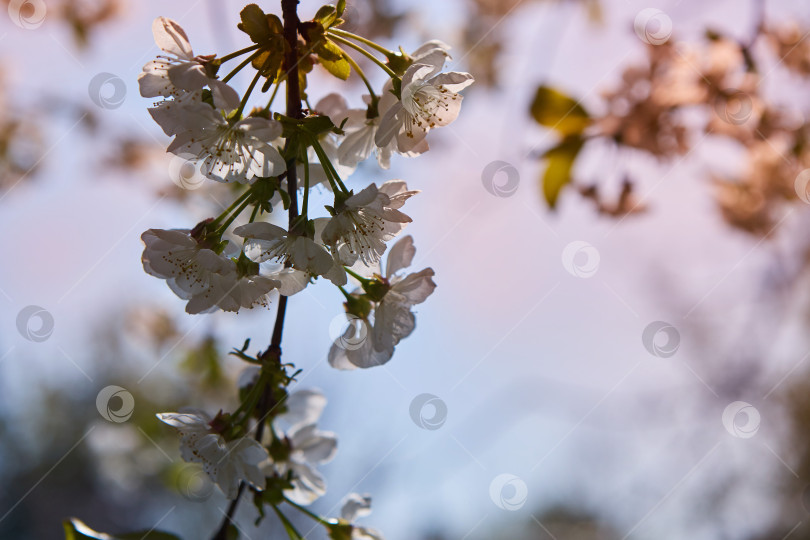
558,111
204,361
558,170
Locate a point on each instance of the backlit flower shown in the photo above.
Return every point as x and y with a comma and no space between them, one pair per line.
368,219
227,462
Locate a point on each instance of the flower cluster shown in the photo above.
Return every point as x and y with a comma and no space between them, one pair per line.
272,242
383,304
206,118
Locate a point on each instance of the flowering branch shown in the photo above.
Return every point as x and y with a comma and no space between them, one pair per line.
228,141
290,15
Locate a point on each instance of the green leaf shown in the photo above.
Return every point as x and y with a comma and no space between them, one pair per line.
558,169
339,68
311,125
326,15
75,529
254,23
555,110
329,51
317,125
268,63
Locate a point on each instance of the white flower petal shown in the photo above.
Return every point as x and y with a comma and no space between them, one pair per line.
355,506
171,38
225,97
304,407
415,288
400,256
315,446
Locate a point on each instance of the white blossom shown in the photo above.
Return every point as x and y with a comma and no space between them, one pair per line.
178,77
368,219
309,446
291,281
266,241
167,76
433,52
230,150
429,98
199,274
361,132
392,319
227,462
356,506
362,125
305,258
230,291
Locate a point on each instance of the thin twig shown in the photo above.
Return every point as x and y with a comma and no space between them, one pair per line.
289,9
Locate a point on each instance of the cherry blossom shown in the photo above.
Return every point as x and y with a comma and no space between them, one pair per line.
180,71
367,220
429,99
392,319
267,241
230,151
308,446
227,462
196,273
356,506
178,77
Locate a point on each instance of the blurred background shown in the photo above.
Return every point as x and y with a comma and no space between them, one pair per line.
617,346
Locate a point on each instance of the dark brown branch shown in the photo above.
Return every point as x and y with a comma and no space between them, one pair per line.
289,9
